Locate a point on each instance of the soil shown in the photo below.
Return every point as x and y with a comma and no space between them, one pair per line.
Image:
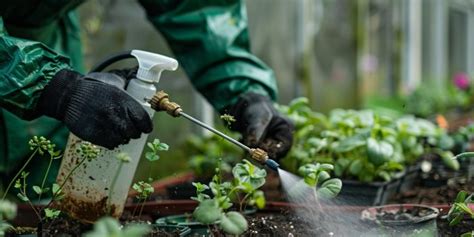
436,195
448,231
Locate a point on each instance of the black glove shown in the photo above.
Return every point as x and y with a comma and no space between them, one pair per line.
261,125
94,111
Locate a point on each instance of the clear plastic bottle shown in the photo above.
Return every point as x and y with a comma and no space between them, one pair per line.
87,192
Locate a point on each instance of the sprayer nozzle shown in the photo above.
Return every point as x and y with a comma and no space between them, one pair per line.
272,164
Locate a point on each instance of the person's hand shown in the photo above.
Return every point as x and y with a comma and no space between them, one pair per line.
261,125
95,111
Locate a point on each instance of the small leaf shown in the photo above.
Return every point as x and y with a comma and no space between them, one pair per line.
259,198
379,152
51,213
22,197
136,230
152,156
448,160
330,188
356,167
207,212
163,147
55,188
37,190
18,184
234,223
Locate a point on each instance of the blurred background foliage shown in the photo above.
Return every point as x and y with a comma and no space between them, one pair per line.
392,56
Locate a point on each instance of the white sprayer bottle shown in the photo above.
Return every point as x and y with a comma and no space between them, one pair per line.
86,192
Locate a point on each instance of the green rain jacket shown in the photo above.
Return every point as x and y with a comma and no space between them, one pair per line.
39,38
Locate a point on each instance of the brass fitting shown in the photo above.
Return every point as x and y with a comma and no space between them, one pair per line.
259,155
161,102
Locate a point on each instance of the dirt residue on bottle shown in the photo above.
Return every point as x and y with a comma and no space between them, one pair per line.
87,212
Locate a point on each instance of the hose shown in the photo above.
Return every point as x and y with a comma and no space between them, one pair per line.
112,59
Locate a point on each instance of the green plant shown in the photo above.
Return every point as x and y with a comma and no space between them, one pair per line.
8,211
431,98
39,145
317,176
109,227
155,146
461,207
362,144
243,190
144,191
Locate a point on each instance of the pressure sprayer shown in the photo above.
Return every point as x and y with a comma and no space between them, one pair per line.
87,192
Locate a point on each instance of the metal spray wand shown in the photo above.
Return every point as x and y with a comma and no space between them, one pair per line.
161,102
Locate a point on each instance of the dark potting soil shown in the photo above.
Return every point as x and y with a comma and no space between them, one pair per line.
447,231
280,225
437,195
63,225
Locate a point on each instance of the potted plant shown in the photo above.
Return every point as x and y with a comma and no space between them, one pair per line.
370,152
402,220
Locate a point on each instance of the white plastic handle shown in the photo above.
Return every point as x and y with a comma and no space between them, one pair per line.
150,65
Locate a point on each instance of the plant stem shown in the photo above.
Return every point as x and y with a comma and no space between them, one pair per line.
136,207
141,208
19,172
64,183
45,176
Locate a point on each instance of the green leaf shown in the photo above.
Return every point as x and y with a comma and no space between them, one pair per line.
207,212
468,234
461,196
55,188
330,188
323,176
106,226
17,184
136,230
356,167
163,147
37,190
259,198
152,156
51,213
234,223
378,152
449,160
351,143
22,197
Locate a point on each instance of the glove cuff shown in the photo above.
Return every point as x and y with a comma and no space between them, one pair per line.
54,98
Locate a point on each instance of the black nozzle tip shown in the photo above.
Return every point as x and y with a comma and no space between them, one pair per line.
272,164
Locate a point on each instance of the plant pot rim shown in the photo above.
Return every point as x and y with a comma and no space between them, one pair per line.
369,213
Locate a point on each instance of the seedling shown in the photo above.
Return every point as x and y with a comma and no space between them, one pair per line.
144,191
461,208
317,176
39,145
110,227
243,190
156,146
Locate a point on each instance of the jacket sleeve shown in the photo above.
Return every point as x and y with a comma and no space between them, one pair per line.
210,40
25,68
